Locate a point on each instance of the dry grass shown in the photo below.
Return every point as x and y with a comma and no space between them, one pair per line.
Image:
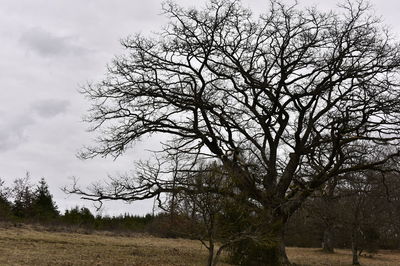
27,246
24,246
342,257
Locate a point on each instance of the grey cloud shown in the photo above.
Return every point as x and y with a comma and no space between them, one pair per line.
14,128
13,131
50,107
45,43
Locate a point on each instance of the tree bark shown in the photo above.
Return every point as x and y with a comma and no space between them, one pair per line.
274,255
277,252
265,248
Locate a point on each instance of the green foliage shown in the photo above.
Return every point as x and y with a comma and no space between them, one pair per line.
250,252
5,209
23,198
83,218
123,223
79,216
5,204
33,204
251,234
174,226
43,206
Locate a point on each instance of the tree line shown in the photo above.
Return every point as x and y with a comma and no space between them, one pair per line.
25,202
359,211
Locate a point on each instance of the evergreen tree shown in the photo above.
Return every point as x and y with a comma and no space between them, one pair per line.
43,206
79,216
23,197
5,205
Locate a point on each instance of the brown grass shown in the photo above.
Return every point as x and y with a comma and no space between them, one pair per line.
25,246
28,246
342,257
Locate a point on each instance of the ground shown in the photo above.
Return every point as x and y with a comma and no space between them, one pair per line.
342,257
25,245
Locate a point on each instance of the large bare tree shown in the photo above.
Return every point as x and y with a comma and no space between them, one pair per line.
297,92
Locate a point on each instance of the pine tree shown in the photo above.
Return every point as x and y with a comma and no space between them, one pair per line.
23,197
5,205
43,206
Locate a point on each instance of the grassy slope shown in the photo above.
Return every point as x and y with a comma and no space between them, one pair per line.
25,246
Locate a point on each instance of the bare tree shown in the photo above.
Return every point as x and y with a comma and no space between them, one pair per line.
206,205
203,204
323,208
301,91
365,199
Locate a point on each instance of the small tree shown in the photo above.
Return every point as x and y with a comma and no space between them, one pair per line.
43,206
5,204
324,207
23,197
203,204
364,201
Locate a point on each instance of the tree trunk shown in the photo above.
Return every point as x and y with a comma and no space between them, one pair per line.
282,258
355,255
262,245
354,247
327,243
270,254
211,254
276,252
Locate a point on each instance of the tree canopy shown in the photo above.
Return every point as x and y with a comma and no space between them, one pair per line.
285,101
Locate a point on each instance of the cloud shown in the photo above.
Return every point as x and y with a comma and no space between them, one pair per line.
13,131
14,127
50,107
47,44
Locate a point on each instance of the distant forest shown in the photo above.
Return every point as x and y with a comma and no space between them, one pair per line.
25,202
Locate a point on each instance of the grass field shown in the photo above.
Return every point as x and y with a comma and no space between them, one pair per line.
27,246
310,256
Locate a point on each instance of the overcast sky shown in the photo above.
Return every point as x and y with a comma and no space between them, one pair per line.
48,49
